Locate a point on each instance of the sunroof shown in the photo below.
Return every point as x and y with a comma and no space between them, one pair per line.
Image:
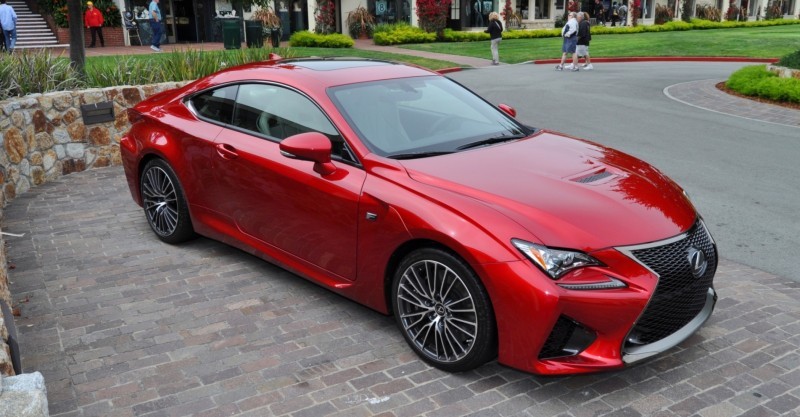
335,64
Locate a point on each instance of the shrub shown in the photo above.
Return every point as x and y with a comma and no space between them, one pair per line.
736,13
360,22
664,14
26,73
461,36
774,10
432,15
707,12
791,61
757,81
333,40
325,17
686,11
401,33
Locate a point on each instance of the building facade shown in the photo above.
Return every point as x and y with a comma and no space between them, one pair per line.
192,21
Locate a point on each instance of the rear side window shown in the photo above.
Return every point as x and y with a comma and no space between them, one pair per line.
216,105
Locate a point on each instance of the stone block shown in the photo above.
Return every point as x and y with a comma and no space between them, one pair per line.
76,150
77,131
23,396
6,366
15,145
62,101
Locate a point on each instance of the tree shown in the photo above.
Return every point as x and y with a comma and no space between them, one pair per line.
432,15
77,55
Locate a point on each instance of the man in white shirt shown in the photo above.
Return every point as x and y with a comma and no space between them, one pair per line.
8,20
155,24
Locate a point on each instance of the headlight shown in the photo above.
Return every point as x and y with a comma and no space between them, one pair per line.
554,262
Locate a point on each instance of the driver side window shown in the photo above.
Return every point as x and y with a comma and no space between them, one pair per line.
275,112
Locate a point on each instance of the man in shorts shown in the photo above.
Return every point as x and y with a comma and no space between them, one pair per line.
570,34
584,37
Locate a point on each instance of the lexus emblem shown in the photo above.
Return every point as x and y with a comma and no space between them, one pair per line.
698,262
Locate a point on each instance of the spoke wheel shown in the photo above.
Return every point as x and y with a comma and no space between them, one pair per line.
164,204
443,311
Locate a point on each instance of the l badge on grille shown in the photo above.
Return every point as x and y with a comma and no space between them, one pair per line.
698,262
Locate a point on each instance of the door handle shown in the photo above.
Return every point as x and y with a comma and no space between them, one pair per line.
227,151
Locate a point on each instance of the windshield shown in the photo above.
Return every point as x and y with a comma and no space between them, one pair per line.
421,116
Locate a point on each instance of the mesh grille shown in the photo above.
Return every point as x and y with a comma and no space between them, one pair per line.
595,177
679,295
555,343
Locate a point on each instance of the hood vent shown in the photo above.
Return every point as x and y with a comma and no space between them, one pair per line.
597,176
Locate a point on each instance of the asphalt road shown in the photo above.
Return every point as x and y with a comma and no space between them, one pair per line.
742,175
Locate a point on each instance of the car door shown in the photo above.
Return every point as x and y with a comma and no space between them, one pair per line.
281,201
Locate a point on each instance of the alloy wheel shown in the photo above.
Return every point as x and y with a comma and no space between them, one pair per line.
160,201
437,311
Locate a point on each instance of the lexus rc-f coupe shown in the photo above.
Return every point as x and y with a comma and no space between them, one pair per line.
406,192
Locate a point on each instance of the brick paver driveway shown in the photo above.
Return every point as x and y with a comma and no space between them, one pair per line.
121,324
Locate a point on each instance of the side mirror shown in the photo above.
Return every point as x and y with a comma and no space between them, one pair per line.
507,110
311,146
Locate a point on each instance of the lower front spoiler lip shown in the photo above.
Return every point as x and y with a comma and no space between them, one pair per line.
637,353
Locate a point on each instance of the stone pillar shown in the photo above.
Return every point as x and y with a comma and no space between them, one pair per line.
23,396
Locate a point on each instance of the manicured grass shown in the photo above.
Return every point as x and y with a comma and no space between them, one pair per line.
759,42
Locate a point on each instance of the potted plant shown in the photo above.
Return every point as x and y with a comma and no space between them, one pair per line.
361,23
271,24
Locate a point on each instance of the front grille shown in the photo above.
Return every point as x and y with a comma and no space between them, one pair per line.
679,295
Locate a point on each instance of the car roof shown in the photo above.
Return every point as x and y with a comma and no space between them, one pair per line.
321,72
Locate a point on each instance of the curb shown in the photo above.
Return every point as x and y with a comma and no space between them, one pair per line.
449,70
669,59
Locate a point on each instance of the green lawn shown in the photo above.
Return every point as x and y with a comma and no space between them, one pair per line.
761,42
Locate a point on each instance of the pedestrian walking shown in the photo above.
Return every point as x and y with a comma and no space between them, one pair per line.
155,24
584,37
623,14
93,19
8,21
570,34
495,31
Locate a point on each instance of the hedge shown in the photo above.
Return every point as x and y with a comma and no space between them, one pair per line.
310,39
403,33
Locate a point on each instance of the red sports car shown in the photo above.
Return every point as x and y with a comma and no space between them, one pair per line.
406,192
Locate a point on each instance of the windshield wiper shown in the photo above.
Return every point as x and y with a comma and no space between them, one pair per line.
490,141
414,155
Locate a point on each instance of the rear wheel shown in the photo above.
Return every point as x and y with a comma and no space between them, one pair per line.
164,203
443,311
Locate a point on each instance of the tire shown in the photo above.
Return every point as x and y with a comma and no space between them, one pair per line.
443,311
164,203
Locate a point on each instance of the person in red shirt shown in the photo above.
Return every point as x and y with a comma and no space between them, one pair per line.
94,21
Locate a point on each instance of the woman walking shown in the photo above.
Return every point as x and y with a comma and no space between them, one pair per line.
495,31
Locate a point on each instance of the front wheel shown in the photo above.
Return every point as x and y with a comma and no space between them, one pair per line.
164,203
443,311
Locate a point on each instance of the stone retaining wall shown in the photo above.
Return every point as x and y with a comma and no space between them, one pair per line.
784,72
43,137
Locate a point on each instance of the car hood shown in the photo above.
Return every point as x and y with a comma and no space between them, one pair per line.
569,193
